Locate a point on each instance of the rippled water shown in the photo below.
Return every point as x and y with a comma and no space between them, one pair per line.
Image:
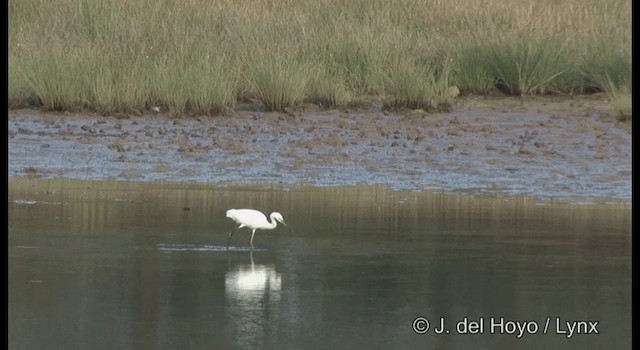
105,265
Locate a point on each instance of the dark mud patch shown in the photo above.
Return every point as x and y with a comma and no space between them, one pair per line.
544,147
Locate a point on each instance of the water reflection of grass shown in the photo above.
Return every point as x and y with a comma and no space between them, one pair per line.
200,57
95,205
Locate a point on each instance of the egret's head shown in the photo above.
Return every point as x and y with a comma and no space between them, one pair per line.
278,217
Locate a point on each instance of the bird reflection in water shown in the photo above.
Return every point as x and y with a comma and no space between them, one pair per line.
246,279
252,293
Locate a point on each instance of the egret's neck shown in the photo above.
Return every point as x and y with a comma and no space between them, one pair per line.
273,222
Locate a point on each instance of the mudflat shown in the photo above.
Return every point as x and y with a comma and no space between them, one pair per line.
552,147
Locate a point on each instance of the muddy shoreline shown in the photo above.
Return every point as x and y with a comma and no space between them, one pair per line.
547,147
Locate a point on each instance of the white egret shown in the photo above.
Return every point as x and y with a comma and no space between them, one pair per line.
254,220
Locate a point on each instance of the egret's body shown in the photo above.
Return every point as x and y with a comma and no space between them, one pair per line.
253,220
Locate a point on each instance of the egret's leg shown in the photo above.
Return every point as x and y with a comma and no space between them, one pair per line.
252,233
230,234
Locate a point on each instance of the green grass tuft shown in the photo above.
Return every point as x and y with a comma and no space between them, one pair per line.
279,83
328,90
413,86
473,71
526,66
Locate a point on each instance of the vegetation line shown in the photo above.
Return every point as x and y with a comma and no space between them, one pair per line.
203,56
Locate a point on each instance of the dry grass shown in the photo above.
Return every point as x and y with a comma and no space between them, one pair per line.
201,56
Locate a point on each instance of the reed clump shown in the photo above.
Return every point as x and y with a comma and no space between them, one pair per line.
202,56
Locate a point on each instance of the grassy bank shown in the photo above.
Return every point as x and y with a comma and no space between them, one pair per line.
203,56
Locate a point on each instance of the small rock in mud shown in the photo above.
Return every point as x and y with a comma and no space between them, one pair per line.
32,170
194,149
118,147
131,174
88,129
525,152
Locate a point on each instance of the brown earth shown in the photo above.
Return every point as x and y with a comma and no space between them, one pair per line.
549,147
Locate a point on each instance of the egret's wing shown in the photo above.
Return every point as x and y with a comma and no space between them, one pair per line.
247,217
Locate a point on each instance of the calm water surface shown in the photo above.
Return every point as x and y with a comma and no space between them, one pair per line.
113,265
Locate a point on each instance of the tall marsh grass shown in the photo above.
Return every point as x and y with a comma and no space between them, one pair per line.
202,56
414,86
525,66
279,83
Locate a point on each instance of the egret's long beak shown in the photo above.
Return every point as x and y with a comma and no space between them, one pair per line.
289,227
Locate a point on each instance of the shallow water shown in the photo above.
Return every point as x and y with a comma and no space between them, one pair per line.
144,265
